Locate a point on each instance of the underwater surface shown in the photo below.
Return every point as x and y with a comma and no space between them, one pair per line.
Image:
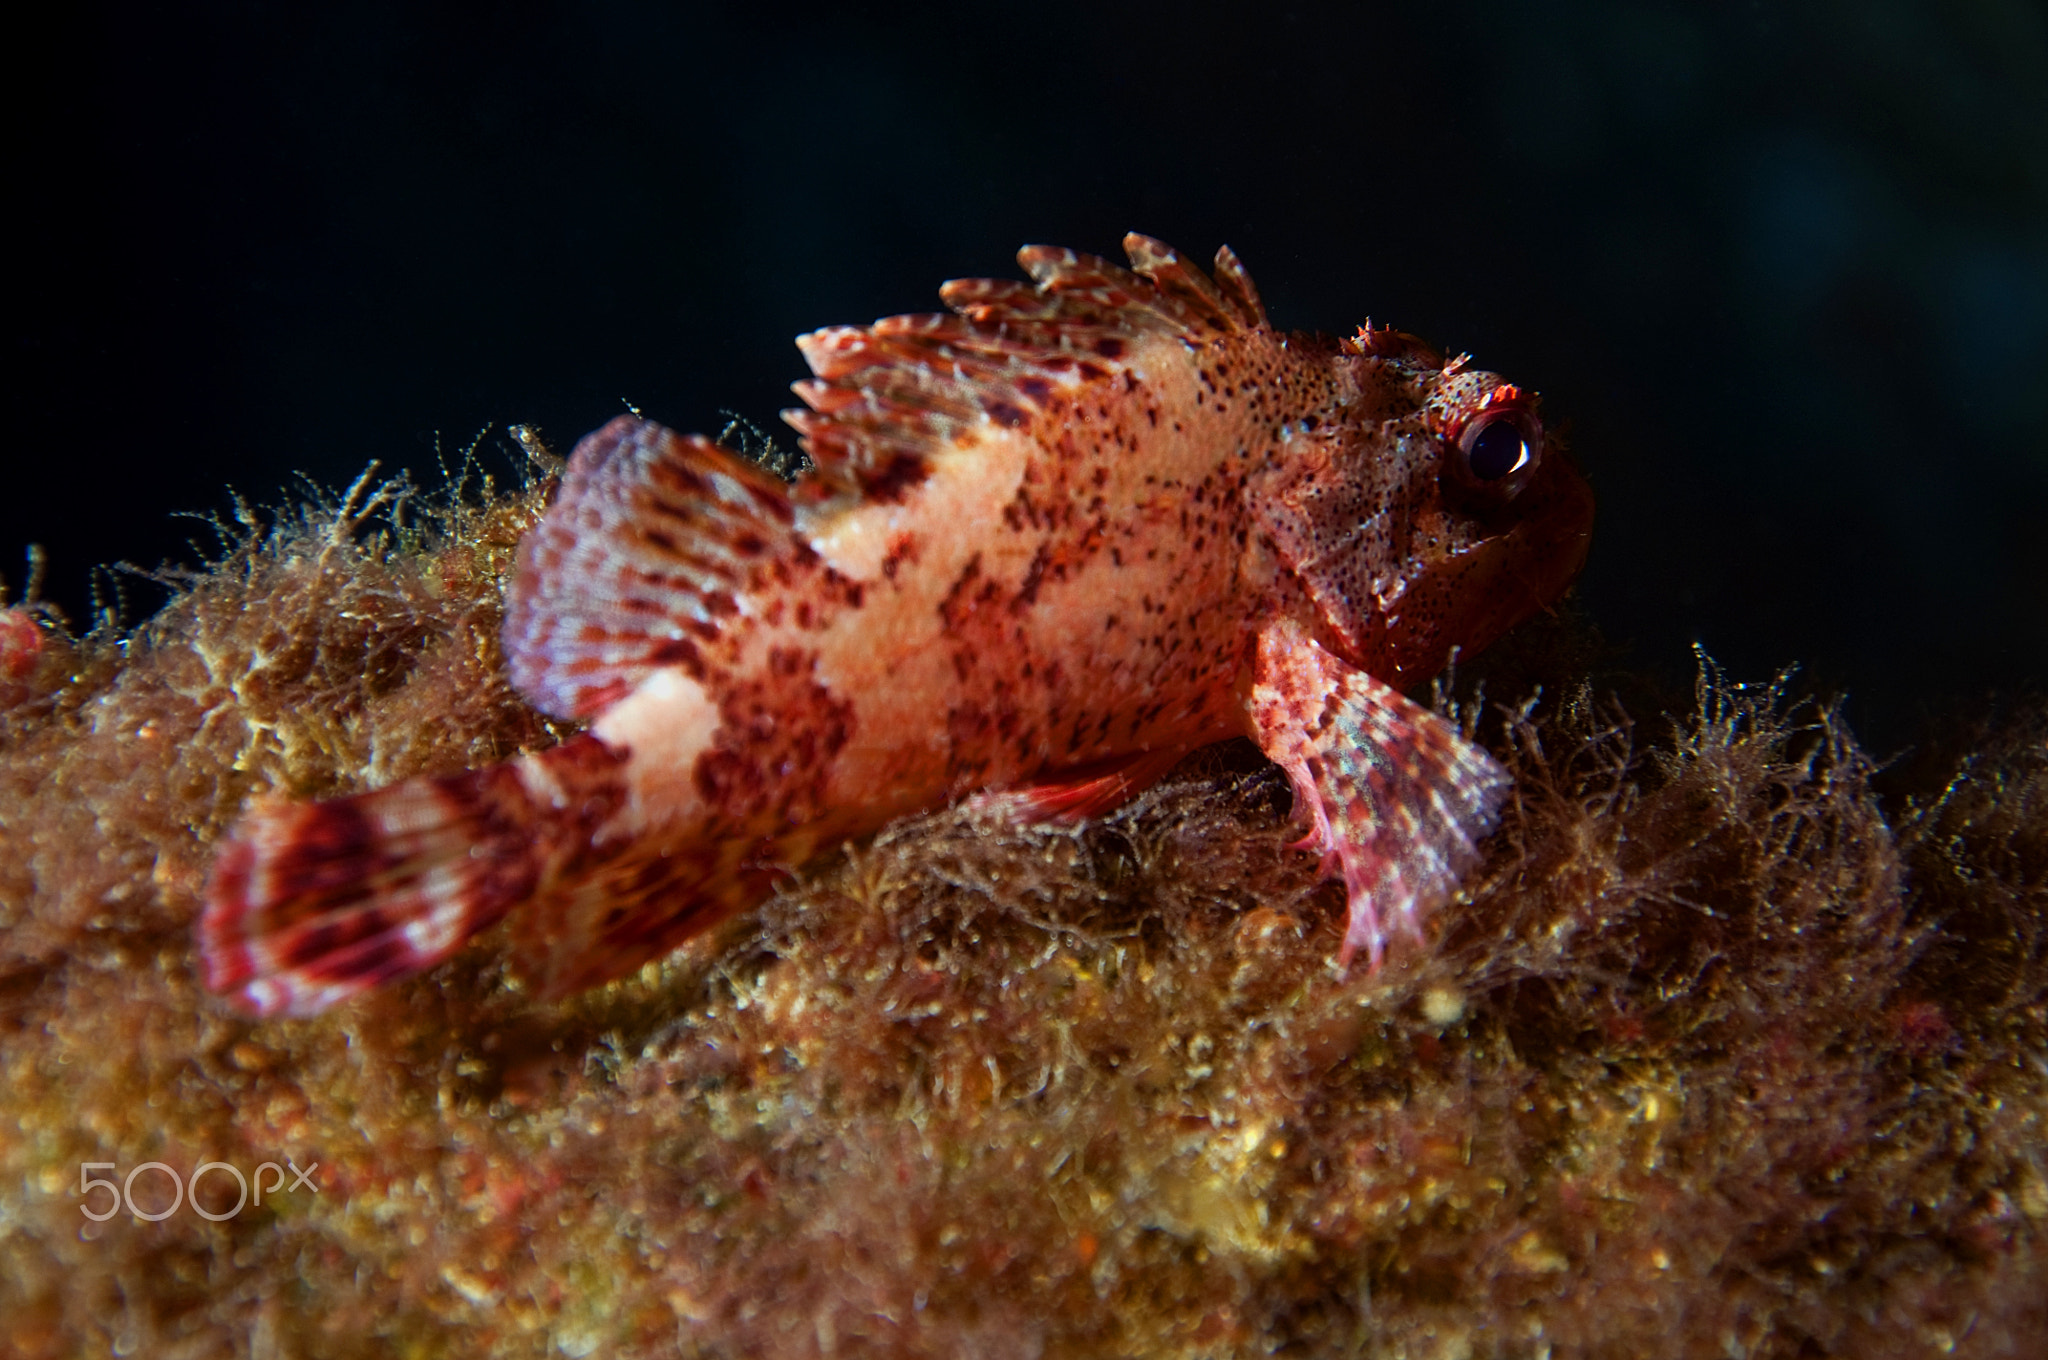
1740,1043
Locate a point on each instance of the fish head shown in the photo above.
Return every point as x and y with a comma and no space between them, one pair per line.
1430,510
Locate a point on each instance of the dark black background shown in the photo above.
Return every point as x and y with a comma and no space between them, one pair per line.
1783,266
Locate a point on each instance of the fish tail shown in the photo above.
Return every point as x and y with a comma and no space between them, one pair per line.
311,903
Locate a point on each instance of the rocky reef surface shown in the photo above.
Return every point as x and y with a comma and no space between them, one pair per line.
1723,1055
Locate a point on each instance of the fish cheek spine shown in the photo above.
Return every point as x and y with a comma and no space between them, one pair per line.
697,611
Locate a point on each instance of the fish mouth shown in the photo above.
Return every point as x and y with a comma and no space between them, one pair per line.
1471,599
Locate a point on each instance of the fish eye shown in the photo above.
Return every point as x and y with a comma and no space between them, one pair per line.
1496,449
1493,455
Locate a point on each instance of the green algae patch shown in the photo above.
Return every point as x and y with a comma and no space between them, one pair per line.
1718,1054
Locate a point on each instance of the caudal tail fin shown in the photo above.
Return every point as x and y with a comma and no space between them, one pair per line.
311,903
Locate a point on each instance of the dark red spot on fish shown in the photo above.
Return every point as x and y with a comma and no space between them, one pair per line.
1007,415
959,603
1110,347
1034,576
675,476
895,478
678,652
902,549
773,751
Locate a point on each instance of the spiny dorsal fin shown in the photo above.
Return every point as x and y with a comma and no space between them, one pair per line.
645,551
1194,296
1237,288
888,398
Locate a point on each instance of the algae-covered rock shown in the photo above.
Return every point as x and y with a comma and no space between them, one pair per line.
1722,1056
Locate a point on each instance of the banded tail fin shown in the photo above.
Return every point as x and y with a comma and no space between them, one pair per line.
648,547
311,903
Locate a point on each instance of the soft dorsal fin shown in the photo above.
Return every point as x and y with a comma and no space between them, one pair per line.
888,398
645,551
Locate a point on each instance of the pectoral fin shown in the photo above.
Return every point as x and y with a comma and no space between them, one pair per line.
1395,797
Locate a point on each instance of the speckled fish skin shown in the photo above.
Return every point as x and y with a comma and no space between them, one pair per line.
1053,540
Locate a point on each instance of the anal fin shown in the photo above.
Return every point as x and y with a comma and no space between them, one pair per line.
1085,790
1395,797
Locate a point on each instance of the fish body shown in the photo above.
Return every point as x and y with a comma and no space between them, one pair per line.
1052,540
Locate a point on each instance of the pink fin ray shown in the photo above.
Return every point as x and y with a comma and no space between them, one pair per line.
1396,799
646,550
887,398
1089,791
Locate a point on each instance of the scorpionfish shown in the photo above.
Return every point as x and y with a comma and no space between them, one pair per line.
1050,541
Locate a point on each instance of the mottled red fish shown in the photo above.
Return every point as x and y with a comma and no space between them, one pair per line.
1053,540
